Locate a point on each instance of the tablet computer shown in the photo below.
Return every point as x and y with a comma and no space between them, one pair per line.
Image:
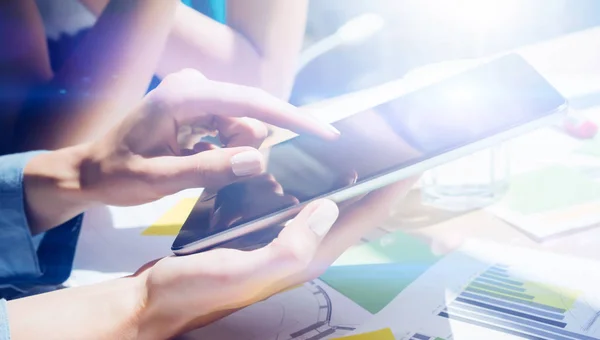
457,116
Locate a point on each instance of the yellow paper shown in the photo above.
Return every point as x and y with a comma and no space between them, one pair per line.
382,334
170,223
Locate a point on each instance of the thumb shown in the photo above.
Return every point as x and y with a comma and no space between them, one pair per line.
255,275
309,227
295,247
213,168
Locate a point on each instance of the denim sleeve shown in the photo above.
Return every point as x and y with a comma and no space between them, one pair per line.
26,261
4,330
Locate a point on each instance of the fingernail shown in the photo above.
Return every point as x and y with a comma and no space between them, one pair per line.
321,220
247,163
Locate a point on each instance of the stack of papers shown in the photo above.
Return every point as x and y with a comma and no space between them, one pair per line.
489,291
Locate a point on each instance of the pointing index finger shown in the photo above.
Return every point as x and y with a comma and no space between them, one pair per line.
232,100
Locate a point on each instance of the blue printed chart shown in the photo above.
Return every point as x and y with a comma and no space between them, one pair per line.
487,291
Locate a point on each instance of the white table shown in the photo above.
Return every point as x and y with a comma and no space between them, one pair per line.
112,239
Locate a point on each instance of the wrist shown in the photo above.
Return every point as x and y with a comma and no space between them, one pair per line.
107,310
155,319
52,188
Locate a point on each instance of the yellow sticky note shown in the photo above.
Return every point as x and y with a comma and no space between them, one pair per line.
170,222
382,334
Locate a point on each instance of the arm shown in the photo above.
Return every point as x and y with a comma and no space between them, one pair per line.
128,167
24,61
104,77
104,311
258,46
180,293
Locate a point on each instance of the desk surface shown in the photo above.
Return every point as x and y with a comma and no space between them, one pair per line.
116,241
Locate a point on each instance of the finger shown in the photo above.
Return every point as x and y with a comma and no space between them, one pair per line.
349,202
352,224
265,185
210,169
363,216
198,147
191,96
295,247
223,217
203,146
251,187
247,277
241,131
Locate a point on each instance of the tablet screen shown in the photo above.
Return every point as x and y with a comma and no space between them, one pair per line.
460,110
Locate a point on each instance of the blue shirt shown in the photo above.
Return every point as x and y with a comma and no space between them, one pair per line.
215,9
26,261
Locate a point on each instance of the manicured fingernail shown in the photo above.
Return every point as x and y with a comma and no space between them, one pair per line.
247,163
321,220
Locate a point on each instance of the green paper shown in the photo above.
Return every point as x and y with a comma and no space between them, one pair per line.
373,274
550,189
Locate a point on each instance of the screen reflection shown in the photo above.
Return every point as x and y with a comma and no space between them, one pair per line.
455,112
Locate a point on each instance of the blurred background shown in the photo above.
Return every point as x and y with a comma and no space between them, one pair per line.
355,44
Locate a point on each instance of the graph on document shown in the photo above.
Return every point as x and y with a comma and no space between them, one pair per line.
419,336
490,291
499,301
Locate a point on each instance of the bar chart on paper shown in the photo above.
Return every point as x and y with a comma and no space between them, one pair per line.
497,301
408,335
419,336
472,294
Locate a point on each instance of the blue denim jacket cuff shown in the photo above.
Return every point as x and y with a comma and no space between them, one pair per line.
4,328
18,257
25,261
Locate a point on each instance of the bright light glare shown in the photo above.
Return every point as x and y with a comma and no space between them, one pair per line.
461,96
459,102
360,28
477,14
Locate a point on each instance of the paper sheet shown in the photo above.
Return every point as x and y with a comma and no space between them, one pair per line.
116,241
551,201
488,291
312,311
550,189
382,334
372,274
171,221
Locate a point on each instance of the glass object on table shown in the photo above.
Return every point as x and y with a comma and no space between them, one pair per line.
472,182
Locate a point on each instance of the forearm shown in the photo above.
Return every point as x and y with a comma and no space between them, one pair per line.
106,75
257,49
259,46
110,310
219,52
52,186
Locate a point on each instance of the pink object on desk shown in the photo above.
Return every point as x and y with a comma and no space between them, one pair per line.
580,127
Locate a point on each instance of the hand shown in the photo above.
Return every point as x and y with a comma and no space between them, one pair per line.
142,153
184,293
180,291
140,160
247,198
